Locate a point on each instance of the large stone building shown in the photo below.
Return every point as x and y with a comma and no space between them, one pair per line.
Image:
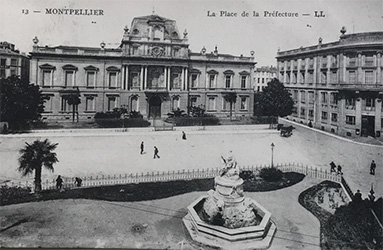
263,75
12,62
153,71
338,86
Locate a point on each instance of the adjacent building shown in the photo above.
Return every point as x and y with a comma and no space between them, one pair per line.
12,62
153,71
337,86
263,75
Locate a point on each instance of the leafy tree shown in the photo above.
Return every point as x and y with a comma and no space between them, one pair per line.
274,100
73,98
34,156
21,102
230,97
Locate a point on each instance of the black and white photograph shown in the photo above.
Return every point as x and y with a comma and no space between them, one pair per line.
191,124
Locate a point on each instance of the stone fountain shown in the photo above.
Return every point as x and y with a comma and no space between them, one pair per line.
225,218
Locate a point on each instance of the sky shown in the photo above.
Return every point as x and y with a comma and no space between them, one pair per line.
234,35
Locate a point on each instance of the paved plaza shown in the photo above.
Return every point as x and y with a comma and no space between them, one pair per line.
108,153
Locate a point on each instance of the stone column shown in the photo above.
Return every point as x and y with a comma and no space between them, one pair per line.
378,115
146,77
168,78
342,115
165,77
379,68
186,79
183,79
127,77
142,78
360,71
358,114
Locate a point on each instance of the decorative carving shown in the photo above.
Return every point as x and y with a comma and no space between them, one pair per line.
157,51
35,40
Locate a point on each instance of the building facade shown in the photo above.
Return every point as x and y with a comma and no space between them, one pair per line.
263,75
153,71
337,86
12,62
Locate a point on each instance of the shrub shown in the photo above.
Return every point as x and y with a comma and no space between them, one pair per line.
119,118
271,174
246,175
10,194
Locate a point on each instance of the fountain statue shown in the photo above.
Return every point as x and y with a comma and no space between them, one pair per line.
225,218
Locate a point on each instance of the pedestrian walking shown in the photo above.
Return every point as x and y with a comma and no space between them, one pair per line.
339,169
156,151
183,135
78,182
142,147
333,167
372,167
59,182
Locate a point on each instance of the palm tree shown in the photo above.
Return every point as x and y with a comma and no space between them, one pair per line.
34,156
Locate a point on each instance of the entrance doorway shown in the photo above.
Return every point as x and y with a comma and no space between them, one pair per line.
155,107
368,125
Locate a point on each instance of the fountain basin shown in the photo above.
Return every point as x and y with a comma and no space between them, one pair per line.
250,237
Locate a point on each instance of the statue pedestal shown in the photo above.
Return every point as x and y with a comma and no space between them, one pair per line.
229,190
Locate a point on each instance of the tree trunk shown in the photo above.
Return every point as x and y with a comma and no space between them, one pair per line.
38,179
73,112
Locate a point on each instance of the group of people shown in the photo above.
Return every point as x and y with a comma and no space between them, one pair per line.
60,181
156,151
335,169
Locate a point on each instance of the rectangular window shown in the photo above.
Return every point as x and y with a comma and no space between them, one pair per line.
194,80
13,62
350,103
295,95
112,80
370,103
135,80
311,113
263,80
13,72
324,62
176,83
228,81
334,98
323,97
211,81
90,103
90,79
65,107
193,101
47,78
243,103
302,76
311,97
69,79
369,61
369,77
333,77
323,77
258,88
295,77
334,117
303,112
112,103
211,103
48,103
350,120
2,73
352,77
324,116
3,62
243,82
352,61
259,80
303,96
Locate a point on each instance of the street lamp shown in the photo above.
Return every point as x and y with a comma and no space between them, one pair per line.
272,154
